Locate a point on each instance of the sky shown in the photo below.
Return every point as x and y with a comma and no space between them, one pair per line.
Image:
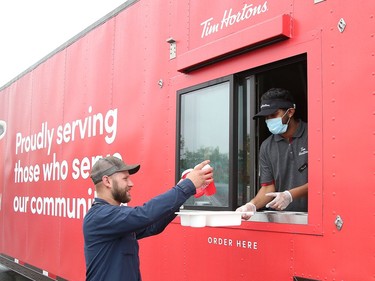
31,29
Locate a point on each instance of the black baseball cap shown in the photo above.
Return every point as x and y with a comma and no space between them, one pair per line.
269,107
110,165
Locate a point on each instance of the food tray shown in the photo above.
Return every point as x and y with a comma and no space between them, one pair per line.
210,218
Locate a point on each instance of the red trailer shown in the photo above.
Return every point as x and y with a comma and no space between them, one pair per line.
169,83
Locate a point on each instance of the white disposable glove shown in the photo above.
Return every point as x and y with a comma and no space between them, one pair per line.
281,201
249,208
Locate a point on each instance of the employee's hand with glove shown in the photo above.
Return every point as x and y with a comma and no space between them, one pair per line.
249,208
281,200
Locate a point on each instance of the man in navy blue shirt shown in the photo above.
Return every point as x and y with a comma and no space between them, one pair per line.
111,230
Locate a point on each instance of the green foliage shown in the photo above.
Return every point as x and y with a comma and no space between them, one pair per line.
219,161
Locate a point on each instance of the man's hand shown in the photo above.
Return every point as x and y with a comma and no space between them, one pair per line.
281,200
201,177
249,208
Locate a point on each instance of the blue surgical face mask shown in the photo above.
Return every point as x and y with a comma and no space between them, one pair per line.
276,126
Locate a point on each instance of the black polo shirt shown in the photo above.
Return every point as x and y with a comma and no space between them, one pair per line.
284,163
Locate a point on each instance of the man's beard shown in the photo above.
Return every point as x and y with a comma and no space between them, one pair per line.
118,194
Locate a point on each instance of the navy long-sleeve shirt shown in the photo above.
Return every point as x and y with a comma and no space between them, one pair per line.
111,232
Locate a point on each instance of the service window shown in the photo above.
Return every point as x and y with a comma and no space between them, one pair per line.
215,122
204,133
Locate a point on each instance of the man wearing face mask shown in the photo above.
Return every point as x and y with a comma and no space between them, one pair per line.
282,157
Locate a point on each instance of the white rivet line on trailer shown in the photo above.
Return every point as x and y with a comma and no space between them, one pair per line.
44,272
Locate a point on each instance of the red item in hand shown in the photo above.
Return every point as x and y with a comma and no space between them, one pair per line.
207,190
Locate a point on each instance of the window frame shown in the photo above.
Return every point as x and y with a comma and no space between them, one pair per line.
310,44
257,126
232,192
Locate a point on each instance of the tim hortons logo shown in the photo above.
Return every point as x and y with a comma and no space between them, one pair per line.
231,17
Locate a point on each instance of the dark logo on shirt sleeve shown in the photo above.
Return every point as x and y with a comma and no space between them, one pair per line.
302,168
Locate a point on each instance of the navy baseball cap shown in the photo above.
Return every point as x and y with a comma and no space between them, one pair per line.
269,107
